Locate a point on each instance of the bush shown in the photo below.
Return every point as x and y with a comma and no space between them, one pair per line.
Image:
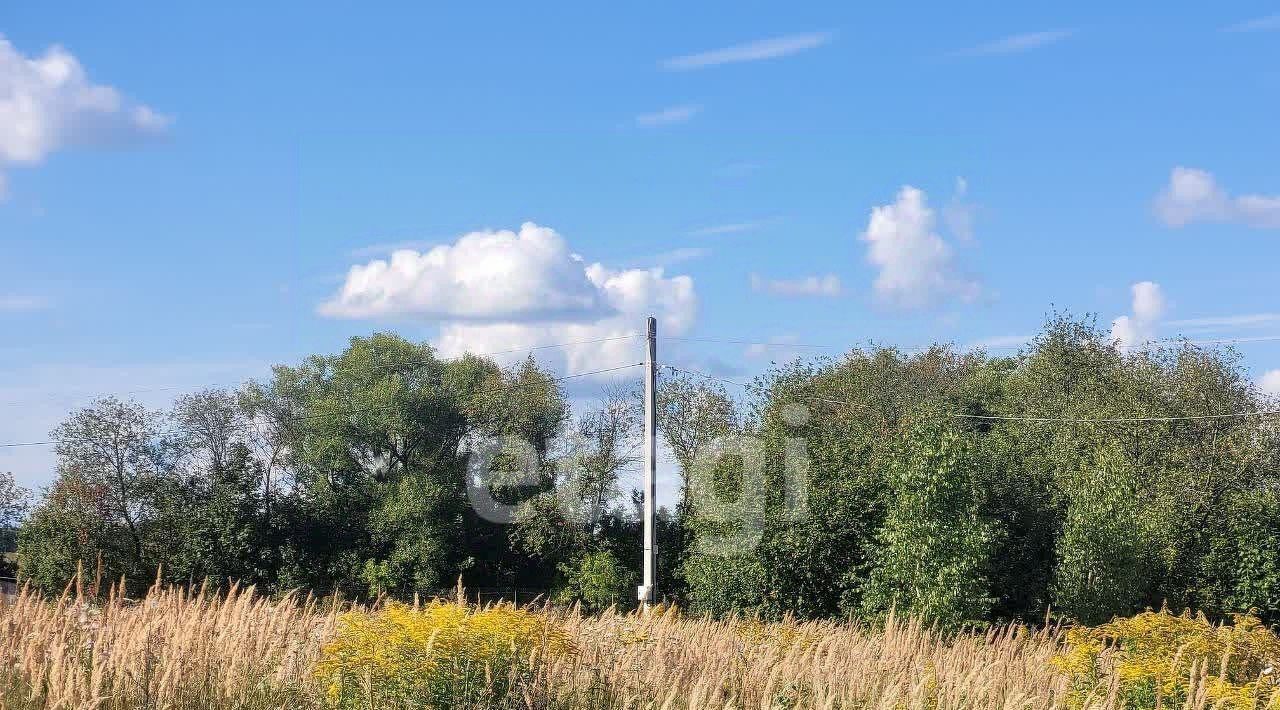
1157,659
444,655
599,581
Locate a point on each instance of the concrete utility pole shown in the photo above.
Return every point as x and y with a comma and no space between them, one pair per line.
648,591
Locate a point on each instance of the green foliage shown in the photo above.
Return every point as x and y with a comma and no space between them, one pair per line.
1106,556
931,555
722,585
834,486
599,581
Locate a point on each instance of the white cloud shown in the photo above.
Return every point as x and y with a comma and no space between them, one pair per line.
1014,44
500,291
959,213
749,52
828,285
48,103
1258,24
19,304
388,248
669,115
1148,306
1269,383
916,266
731,228
779,348
1194,195
483,276
739,169
999,342
679,255
1234,321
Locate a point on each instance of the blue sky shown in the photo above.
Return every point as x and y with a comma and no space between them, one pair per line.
186,192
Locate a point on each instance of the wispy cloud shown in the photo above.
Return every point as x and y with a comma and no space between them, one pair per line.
1015,44
750,52
730,228
1246,320
826,285
21,304
999,342
740,169
385,248
1257,24
672,114
679,255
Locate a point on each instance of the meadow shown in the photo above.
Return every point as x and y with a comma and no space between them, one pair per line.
182,648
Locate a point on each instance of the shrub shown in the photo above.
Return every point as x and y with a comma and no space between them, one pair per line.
443,655
1157,659
599,581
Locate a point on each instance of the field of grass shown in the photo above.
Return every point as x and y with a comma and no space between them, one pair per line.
176,649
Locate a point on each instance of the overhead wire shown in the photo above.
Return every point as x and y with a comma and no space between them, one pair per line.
1069,420
369,410
385,365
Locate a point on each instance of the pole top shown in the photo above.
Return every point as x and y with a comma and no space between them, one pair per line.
653,326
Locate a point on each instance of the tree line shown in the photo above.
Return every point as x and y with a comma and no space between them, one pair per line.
957,486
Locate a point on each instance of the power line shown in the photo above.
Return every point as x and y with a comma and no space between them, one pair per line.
402,363
371,410
1068,420
1105,420
966,347
737,341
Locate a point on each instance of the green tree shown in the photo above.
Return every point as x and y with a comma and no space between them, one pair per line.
932,554
111,464
1106,555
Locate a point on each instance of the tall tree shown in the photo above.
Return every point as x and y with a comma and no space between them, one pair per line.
110,462
932,553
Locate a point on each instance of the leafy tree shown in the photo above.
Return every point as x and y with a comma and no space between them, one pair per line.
932,553
1105,555
14,501
111,464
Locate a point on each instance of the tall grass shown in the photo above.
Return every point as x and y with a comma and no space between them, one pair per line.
193,649
174,649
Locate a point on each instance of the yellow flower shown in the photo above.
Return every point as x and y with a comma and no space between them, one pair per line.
1159,658
434,656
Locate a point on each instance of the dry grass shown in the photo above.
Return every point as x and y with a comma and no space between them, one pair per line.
180,649
174,649
668,661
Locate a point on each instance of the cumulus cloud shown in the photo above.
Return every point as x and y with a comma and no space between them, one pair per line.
828,285
1194,195
1269,383
502,290
916,265
530,274
750,52
48,103
1148,306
